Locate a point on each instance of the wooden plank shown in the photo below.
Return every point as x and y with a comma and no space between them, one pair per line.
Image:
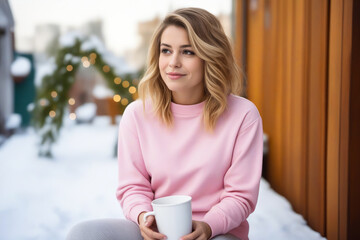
255,57
349,219
318,28
271,116
299,105
290,159
239,33
333,132
276,140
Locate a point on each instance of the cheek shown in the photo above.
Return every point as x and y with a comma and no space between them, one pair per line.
198,69
162,63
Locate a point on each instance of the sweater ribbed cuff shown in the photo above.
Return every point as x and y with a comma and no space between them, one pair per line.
135,211
214,218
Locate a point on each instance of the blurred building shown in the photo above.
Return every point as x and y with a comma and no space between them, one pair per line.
93,28
137,57
6,58
45,40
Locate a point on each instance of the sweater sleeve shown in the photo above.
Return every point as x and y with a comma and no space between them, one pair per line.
134,190
241,181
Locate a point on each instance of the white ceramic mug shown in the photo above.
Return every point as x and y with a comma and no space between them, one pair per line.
173,215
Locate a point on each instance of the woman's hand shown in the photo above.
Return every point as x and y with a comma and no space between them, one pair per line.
148,228
201,231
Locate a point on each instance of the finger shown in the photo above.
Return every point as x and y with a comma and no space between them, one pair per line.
149,221
194,235
150,234
191,236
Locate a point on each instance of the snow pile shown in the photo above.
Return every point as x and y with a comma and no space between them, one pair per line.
21,67
13,122
274,218
69,39
70,58
102,92
86,112
41,199
118,63
44,69
93,43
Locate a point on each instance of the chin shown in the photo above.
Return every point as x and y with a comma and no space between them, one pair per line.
175,87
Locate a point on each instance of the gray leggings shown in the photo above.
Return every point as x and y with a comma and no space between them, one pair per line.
114,229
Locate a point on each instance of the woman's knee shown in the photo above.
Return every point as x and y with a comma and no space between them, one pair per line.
104,229
82,231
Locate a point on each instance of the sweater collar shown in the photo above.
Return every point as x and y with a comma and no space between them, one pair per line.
187,110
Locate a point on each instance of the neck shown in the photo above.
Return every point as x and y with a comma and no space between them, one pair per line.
187,100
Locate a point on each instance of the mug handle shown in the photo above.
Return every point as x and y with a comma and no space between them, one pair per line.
148,214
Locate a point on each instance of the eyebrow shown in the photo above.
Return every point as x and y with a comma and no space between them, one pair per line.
182,46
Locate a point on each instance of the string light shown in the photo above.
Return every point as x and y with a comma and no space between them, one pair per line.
44,102
84,58
92,58
72,116
124,101
132,89
117,98
106,68
86,64
69,68
125,84
71,101
52,113
117,80
54,94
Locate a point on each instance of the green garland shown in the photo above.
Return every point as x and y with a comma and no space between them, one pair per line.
52,97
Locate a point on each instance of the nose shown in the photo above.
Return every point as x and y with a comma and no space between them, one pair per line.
175,61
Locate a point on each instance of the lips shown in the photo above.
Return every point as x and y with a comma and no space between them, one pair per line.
174,75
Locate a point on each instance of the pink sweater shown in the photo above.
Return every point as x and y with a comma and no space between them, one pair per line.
221,171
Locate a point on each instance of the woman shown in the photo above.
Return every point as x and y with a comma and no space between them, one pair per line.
189,134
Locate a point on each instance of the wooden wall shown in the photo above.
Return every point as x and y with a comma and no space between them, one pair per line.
298,58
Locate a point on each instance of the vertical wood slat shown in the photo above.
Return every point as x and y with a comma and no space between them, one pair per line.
239,33
299,107
288,185
272,110
334,104
344,127
256,44
317,80
353,220
276,156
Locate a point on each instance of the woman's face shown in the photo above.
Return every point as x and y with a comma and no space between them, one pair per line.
181,70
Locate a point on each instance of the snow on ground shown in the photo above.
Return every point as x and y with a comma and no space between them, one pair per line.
41,198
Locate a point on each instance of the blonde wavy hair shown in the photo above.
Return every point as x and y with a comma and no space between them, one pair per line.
210,43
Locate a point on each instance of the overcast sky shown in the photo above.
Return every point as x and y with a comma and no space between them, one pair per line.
119,17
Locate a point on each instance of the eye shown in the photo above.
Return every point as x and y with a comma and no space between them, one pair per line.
188,52
165,50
